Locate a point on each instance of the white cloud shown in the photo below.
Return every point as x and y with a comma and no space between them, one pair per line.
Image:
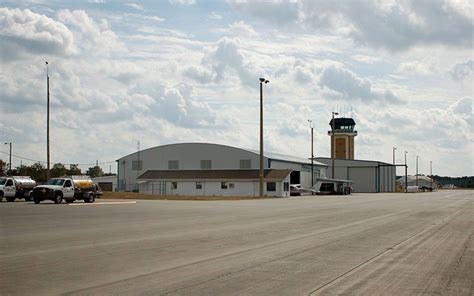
90,34
214,15
23,31
225,59
182,2
393,25
396,26
417,68
241,29
275,12
462,71
134,6
348,86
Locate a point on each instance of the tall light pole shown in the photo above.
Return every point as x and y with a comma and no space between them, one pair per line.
333,143
10,158
312,154
262,81
47,121
417,170
394,148
406,173
431,174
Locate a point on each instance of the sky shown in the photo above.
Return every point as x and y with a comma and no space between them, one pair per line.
162,72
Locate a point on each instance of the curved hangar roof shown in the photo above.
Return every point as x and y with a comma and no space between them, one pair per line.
269,155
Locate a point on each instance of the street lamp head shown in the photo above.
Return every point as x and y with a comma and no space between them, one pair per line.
335,113
263,80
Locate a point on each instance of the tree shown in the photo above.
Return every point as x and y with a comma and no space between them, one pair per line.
95,171
74,170
3,167
58,170
36,171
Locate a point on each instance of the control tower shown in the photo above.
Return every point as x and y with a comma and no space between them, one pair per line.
342,137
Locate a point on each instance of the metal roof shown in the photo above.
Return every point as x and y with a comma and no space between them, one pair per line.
269,175
270,155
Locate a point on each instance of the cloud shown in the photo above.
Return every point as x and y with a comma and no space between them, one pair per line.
275,12
23,31
392,25
417,68
348,86
90,34
224,60
178,108
462,71
134,6
395,26
214,15
182,2
242,29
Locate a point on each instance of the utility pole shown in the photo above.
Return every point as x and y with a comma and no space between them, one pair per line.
333,144
47,123
394,148
431,174
406,173
312,154
262,81
10,157
417,170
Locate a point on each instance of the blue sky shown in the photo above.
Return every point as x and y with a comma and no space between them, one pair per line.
162,72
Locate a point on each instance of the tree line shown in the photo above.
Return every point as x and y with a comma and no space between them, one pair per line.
38,171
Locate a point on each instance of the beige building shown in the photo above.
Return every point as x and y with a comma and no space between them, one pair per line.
342,135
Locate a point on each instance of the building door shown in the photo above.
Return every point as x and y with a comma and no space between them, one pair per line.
295,177
105,186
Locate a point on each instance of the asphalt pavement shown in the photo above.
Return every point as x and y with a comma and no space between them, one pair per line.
364,244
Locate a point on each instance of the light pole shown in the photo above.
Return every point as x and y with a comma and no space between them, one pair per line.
394,148
406,173
47,121
417,170
312,154
431,174
10,157
333,143
262,81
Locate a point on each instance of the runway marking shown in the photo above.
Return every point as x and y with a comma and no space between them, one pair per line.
103,203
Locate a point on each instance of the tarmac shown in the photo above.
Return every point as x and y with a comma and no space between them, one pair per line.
363,244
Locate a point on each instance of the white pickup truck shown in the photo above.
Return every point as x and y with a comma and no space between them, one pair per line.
16,187
66,188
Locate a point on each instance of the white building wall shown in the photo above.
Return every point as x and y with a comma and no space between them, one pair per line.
304,169
107,179
368,176
189,156
213,188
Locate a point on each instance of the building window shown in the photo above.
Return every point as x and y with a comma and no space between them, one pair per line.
223,185
231,185
245,163
198,185
173,164
137,165
174,185
286,186
271,186
206,164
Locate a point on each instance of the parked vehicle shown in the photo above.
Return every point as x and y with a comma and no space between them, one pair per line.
69,189
16,187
